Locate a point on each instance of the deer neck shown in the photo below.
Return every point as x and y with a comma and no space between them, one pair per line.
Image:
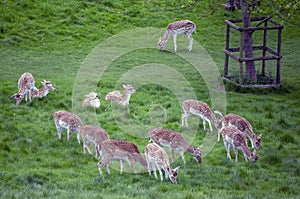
166,35
42,92
246,150
126,97
190,150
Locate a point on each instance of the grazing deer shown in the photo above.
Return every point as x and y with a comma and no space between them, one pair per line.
26,87
92,100
200,109
178,27
69,121
47,86
235,138
117,97
175,141
244,126
157,158
120,150
92,134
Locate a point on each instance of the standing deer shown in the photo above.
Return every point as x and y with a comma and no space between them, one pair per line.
92,100
200,109
92,135
119,98
26,87
47,86
120,150
243,125
69,121
175,141
157,158
178,27
235,138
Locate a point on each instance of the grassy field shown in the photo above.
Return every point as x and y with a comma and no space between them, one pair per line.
80,46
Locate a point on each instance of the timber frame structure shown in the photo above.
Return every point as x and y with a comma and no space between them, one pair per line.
272,54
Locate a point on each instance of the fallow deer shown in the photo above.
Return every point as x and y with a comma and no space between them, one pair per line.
244,126
200,109
39,93
119,98
175,141
69,121
178,27
92,135
157,158
120,150
26,87
92,100
235,138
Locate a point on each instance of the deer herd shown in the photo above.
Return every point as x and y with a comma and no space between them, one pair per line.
234,129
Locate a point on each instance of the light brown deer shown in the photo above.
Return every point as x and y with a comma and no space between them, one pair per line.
186,27
175,141
69,121
26,87
92,135
92,100
119,98
244,126
120,150
157,158
235,138
200,109
39,93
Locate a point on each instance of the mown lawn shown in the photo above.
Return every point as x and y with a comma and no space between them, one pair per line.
57,41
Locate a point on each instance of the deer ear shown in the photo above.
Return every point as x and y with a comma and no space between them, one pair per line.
13,96
260,135
123,85
177,168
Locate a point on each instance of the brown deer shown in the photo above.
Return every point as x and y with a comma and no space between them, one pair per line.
244,126
175,141
186,27
26,87
157,158
119,98
39,93
235,138
92,100
92,135
69,121
120,150
200,109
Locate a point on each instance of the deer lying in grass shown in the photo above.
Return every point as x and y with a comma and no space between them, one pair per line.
92,135
200,109
178,27
92,100
69,121
175,141
157,158
243,125
26,87
39,93
120,150
119,98
235,138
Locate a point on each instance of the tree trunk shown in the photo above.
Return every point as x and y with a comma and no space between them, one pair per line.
250,66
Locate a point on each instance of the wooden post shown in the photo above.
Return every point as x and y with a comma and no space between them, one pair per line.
226,48
241,56
279,57
263,67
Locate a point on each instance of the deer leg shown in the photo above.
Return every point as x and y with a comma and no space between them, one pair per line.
68,134
174,40
78,137
154,170
182,156
131,164
121,166
184,118
236,153
191,41
209,122
172,153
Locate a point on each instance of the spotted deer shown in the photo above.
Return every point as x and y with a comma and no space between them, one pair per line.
119,98
200,109
92,100
120,150
186,27
175,141
235,138
92,135
244,126
69,121
157,158
26,86
39,93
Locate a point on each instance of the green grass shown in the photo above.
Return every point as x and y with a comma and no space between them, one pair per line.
52,39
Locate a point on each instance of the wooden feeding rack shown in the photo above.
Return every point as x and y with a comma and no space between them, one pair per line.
272,54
